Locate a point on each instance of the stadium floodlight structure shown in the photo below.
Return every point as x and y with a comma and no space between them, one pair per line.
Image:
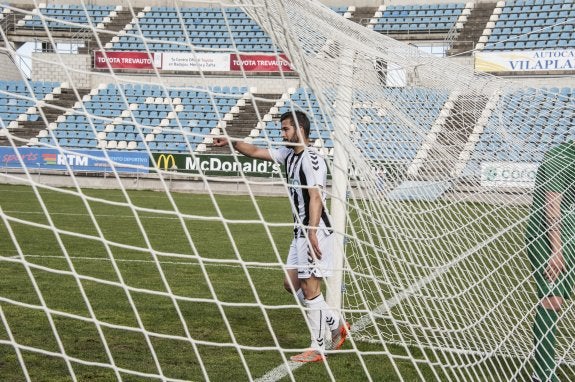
432,171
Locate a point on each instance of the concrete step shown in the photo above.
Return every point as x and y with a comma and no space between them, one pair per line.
115,25
450,141
472,29
246,119
65,100
362,15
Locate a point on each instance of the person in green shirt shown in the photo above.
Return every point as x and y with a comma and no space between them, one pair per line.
550,240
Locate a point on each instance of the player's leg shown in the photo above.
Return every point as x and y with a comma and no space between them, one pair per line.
311,288
320,316
315,313
291,280
319,313
544,334
339,329
547,313
324,268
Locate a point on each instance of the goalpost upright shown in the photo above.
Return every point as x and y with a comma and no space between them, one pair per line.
340,179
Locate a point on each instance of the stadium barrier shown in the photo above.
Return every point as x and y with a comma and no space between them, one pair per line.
133,162
68,160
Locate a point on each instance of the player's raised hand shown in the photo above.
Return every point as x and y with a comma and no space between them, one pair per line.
220,141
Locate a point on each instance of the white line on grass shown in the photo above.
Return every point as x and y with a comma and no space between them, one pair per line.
281,371
97,215
191,262
289,367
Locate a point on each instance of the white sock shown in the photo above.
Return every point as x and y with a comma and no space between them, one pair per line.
330,316
319,314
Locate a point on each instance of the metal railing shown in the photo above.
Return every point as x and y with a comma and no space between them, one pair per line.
387,30
451,36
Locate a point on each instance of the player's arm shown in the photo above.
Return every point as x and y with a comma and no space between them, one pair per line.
244,148
315,212
556,263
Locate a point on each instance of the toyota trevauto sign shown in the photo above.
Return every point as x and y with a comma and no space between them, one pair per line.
508,174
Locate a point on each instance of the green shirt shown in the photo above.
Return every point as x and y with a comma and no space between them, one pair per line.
555,174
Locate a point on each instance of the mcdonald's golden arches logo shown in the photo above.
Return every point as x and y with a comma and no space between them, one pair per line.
166,161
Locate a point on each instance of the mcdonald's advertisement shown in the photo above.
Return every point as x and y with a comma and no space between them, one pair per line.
215,164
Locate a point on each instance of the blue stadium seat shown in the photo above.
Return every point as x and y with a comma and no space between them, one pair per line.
546,15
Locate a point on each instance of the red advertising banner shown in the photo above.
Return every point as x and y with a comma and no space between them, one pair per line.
178,61
124,60
260,63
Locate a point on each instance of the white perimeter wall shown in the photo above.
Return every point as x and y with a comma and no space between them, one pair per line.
175,183
9,70
45,65
76,69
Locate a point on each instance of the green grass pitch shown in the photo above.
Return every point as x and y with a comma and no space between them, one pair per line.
161,279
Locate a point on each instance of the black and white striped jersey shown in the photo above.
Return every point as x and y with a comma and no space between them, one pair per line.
304,170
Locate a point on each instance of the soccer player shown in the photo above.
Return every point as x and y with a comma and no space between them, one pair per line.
550,238
310,253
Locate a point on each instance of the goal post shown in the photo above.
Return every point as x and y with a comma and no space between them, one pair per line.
340,178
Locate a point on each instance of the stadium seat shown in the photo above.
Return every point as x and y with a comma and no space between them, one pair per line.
412,18
153,112
544,15
206,28
537,132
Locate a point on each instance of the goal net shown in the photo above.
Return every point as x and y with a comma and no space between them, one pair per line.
432,171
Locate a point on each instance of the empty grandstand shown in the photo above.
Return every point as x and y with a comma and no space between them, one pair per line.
418,19
433,117
532,25
512,25
125,117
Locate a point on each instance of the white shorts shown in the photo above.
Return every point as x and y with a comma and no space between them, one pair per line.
300,258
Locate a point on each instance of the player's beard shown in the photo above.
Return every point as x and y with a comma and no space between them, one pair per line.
292,142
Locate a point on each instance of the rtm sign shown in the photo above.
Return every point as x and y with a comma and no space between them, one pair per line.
72,160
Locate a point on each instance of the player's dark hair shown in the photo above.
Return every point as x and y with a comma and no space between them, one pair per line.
299,119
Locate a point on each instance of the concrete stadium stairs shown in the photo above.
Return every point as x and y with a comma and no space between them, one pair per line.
247,118
443,156
473,28
51,109
115,25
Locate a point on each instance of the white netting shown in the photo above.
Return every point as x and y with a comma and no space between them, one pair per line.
436,261
437,284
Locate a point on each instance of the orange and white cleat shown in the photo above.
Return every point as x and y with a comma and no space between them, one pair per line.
339,336
310,355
